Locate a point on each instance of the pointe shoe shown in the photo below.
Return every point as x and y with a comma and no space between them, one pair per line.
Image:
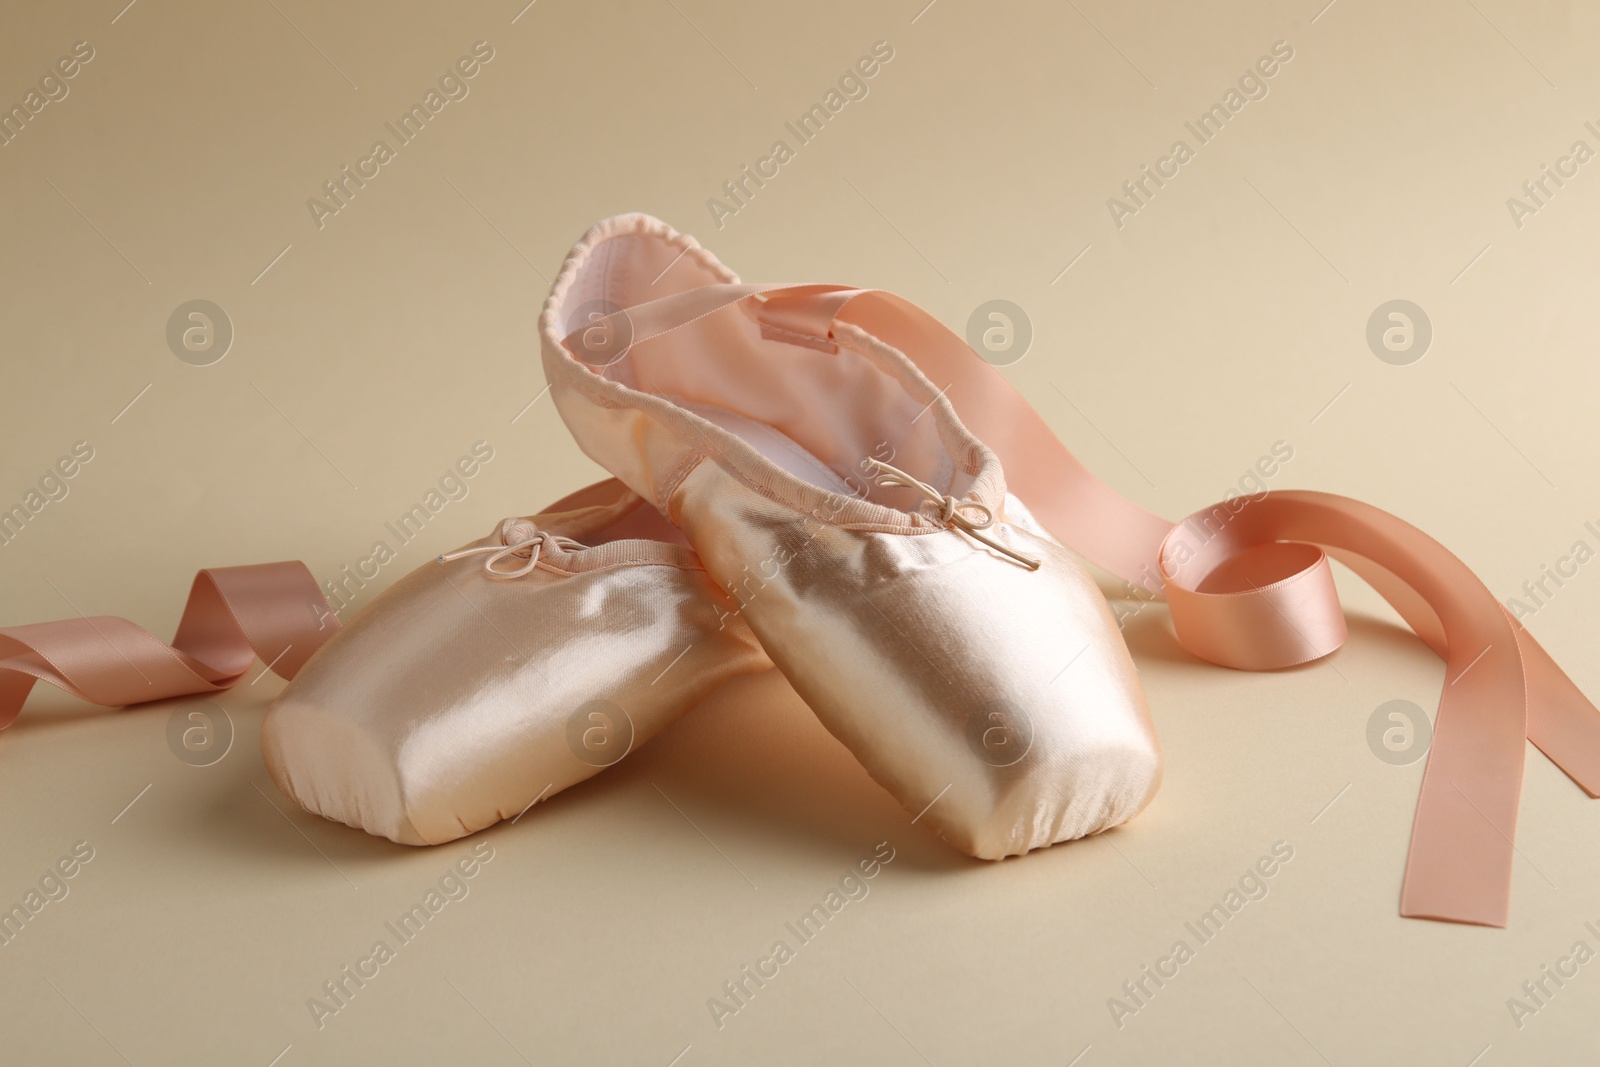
944,636
504,672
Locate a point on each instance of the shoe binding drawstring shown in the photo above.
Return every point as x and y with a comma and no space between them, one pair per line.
516,536
952,512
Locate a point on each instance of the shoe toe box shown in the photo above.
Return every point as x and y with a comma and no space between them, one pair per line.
455,700
997,703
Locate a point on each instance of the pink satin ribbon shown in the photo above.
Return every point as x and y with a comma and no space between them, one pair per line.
234,615
1249,586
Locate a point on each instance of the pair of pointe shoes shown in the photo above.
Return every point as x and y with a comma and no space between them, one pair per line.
789,491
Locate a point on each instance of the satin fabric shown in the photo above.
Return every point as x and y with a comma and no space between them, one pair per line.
234,615
1247,579
456,699
996,703
999,705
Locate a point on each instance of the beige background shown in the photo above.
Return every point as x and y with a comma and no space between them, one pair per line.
1227,315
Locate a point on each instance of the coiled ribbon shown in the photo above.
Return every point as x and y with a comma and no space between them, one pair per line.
234,615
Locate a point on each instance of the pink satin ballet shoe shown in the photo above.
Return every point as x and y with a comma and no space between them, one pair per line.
505,671
866,536
899,602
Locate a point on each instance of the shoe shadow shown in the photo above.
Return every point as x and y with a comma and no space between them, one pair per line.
753,753
233,808
757,755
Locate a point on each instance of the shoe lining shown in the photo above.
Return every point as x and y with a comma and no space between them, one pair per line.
776,446
817,415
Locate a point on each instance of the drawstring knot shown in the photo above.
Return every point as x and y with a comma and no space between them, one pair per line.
953,513
517,537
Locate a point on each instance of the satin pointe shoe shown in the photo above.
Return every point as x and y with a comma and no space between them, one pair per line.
794,433
504,672
866,536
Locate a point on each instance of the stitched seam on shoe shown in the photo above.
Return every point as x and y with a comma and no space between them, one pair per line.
669,486
635,225
579,254
969,462
659,554
804,337
948,464
970,459
626,562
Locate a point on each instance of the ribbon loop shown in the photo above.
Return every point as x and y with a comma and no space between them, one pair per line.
1253,606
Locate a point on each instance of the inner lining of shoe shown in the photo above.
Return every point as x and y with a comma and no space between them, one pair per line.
817,415
775,445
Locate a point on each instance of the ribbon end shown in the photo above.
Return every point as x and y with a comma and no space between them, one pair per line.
1456,898
1495,922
